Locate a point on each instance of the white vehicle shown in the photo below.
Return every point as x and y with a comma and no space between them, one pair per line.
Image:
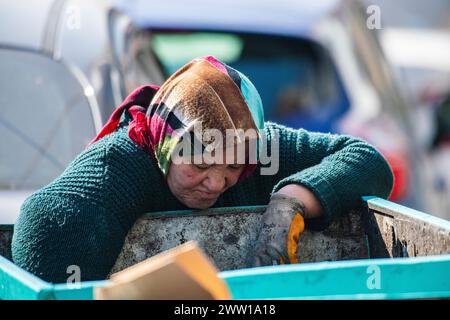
65,65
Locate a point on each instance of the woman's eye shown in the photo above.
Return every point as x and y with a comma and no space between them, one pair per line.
235,167
202,166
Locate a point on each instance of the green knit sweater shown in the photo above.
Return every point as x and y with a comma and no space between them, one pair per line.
82,217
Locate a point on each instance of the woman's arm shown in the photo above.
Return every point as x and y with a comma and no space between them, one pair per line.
313,207
333,170
56,232
82,217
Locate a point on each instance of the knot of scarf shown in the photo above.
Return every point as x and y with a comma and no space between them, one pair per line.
136,104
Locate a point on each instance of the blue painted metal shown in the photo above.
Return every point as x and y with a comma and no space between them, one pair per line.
399,278
16,283
80,291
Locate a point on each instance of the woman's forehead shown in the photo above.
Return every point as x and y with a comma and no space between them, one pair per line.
234,155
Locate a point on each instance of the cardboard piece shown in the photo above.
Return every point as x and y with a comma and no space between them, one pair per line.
181,273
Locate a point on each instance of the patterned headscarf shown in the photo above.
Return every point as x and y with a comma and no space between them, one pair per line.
205,91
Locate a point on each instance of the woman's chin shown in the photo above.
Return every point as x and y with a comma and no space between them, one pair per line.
201,203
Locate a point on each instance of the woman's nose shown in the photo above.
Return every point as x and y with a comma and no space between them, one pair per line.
215,183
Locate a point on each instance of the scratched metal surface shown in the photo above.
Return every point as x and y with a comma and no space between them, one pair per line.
228,237
395,231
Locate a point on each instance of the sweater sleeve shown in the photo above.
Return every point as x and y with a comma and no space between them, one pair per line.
83,216
55,233
68,222
338,169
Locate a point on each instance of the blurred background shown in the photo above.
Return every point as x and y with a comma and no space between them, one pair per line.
379,70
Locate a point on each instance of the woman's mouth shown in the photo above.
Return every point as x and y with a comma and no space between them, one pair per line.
208,195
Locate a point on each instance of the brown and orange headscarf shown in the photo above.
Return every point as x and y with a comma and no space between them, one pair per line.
204,91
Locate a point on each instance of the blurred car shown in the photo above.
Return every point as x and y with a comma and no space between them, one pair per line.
413,14
65,65
48,116
420,58
97,38
315,64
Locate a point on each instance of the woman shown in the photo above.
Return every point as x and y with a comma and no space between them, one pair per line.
83,216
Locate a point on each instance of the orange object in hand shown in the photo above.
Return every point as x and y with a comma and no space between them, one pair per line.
296,229
283,223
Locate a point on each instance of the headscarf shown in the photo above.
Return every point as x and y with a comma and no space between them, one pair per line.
205,91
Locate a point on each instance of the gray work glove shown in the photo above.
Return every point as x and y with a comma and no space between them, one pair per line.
283,222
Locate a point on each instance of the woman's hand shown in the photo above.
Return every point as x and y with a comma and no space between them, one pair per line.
283,223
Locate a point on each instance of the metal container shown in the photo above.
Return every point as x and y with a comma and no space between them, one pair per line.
382,251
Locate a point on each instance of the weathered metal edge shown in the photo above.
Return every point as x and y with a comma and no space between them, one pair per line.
208,212
397,210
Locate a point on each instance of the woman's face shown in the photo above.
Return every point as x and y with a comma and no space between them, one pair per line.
199,186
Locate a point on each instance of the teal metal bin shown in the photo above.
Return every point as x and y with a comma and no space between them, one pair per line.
383,251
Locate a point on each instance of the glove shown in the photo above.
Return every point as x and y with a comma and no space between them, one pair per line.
283,223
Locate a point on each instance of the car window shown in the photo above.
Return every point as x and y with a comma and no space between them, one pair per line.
133,55
296,79
141,66
45,120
